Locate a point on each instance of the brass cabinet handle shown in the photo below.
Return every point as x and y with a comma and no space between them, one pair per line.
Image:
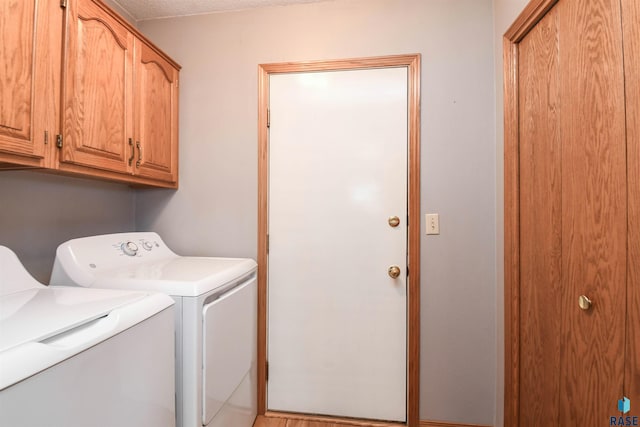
394,271
139,154
584,303
394,221
133,151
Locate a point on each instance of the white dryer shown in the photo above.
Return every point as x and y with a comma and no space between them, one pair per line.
74,357
216,317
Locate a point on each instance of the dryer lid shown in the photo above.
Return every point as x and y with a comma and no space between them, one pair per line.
178,276
142,261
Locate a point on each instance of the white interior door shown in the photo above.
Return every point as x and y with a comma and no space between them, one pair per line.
337,341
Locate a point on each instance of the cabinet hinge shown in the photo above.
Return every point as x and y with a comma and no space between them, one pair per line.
46,137
266,371
63,4
267,243
268,118
59,140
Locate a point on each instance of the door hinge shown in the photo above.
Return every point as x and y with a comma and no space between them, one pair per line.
268,117
59,140
63,4
267,243
266,371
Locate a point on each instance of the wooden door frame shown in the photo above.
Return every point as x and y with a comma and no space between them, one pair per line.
412,62
528,18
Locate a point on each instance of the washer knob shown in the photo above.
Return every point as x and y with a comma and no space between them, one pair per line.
147,245
129,248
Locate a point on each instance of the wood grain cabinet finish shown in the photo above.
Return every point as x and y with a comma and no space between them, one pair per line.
156,106
29,82
120,101
572,212
98,84
101,103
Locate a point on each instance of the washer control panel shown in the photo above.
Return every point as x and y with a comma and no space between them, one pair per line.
136,248
109,251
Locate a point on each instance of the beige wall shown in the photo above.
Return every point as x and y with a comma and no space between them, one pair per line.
504,13
215,209
39,211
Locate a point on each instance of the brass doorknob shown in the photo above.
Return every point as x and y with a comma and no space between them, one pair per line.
394,221
584,302
394,271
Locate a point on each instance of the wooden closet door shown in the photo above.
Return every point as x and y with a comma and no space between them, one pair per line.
540,164
594,210
98,91
631,28
573,215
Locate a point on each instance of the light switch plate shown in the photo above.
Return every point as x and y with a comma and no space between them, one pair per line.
432,223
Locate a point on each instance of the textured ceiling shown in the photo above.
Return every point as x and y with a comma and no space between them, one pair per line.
151,9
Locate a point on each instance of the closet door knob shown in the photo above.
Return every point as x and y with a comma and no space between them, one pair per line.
584,302
394,271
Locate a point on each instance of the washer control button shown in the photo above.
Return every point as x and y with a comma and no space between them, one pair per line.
129,248
147,245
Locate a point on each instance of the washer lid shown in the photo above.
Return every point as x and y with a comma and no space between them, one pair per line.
178,276
34,315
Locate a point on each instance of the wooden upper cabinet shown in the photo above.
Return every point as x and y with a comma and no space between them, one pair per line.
98,90
18,20
120,101
156,118
101,103
29,80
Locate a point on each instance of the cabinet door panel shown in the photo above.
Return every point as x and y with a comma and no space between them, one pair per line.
18,21
156,115
98,90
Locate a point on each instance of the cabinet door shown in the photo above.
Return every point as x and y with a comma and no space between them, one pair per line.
97,93
156,116
22,80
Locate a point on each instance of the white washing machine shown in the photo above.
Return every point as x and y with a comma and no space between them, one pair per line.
74,357
216,317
